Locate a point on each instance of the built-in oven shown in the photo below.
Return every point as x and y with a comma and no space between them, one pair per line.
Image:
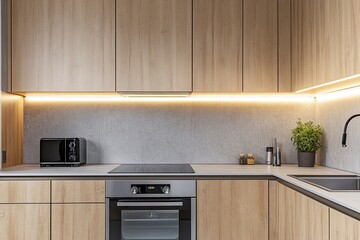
150,210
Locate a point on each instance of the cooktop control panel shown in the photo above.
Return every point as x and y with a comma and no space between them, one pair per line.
150,188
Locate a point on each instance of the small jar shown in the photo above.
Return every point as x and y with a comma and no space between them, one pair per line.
243,159
250,159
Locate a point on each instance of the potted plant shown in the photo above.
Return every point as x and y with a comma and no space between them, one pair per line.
306,137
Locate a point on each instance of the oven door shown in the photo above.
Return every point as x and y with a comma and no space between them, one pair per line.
151,219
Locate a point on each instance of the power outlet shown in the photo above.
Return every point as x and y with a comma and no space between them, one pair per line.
3,157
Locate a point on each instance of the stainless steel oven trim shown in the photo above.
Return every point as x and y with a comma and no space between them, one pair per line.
179,188
149,204
107,220
193,219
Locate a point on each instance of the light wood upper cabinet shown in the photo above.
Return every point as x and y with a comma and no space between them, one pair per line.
217,48
63,45
308,43
232,209
78,191
260,46
325,41
300,217
78,222
343,227
25,221
24,191
153,45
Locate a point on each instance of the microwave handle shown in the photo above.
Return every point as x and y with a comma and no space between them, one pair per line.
149,204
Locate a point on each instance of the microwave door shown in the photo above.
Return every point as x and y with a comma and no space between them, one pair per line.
52,151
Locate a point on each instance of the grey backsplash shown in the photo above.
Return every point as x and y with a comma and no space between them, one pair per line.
148,132
332,115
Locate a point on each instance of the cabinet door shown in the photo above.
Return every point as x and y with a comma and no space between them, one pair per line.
300,217
24,191
342,31
78,191
78,221
25,221
217,46
232,209
260,46
153,45
325,41
63,45
308,43
343,227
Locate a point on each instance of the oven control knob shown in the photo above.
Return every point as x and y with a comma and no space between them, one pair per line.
166,189
134,190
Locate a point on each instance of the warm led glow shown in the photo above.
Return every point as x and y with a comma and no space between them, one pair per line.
332,86
347,93
189,98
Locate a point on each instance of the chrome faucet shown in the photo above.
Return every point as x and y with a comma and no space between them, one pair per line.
345,128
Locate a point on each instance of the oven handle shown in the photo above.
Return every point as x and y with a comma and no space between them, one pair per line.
149,204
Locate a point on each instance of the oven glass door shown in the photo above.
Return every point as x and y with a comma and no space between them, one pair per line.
154,219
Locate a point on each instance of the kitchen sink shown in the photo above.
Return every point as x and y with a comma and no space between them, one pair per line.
332,183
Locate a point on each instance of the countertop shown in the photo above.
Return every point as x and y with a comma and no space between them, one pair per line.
349,200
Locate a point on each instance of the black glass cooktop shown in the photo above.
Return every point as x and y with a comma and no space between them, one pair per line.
153,168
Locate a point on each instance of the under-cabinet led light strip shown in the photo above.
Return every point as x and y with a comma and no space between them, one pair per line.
325,86
189,98
346,93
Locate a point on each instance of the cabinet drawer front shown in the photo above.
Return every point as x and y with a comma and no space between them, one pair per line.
78,221
25,191
25,221
83,191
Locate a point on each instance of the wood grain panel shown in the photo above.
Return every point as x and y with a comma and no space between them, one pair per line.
12,128
217,46
25,191
232,209
284,38
76,191
153,45
25,221
342,31
309,45
343,227
63,45
300,217
78,222
260,46
273,210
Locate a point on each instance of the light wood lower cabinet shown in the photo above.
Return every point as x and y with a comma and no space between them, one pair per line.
25,221
78,191
24,191
343,227
232,209
78,221
300,217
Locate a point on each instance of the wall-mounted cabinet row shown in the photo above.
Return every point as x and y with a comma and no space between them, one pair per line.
150,45
182,45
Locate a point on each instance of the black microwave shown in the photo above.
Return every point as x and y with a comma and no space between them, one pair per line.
62,152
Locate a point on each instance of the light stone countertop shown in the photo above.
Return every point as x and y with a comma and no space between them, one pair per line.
350,200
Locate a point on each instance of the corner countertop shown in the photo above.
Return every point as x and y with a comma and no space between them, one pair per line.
349,200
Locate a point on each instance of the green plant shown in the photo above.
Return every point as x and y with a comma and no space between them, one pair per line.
306,137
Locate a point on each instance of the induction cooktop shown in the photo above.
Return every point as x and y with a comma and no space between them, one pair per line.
153,168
